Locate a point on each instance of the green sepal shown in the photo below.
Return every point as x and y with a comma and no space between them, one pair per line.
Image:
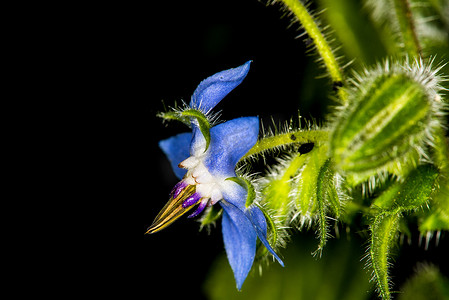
185,116
306,184
249,187
174,116
330,190
327,197
210,215
203,123
384,230
323,230
413,193
306,181
315,192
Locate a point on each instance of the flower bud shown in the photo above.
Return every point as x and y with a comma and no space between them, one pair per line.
391,114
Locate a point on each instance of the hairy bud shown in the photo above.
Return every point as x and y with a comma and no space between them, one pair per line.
392,113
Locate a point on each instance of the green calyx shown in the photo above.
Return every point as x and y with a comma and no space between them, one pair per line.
413,193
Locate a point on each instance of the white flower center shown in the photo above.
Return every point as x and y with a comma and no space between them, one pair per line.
207,186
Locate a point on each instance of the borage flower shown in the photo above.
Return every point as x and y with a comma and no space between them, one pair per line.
205,160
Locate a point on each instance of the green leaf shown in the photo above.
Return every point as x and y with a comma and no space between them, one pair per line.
203,123
383,233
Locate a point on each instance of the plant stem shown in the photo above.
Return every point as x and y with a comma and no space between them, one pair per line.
280,140
407,27
322,46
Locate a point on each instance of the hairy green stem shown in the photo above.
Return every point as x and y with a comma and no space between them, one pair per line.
322,46
284,139
407,27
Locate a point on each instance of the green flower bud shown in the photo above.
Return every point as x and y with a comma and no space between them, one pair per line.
392,113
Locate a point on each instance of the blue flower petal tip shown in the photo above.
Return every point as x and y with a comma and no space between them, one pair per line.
239,238
214,88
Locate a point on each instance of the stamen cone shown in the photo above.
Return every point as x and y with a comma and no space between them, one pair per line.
172,210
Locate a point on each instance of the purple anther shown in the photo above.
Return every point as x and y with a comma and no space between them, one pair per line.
199,209
178,189
192,200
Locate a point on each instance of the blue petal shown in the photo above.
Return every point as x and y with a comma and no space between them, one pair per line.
198,144
260,225
176,148
229,141
236,195
240,241
214,88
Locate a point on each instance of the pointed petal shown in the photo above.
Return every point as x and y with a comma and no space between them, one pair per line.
240,241
229,142
176,148
260,225
214,88
236,195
